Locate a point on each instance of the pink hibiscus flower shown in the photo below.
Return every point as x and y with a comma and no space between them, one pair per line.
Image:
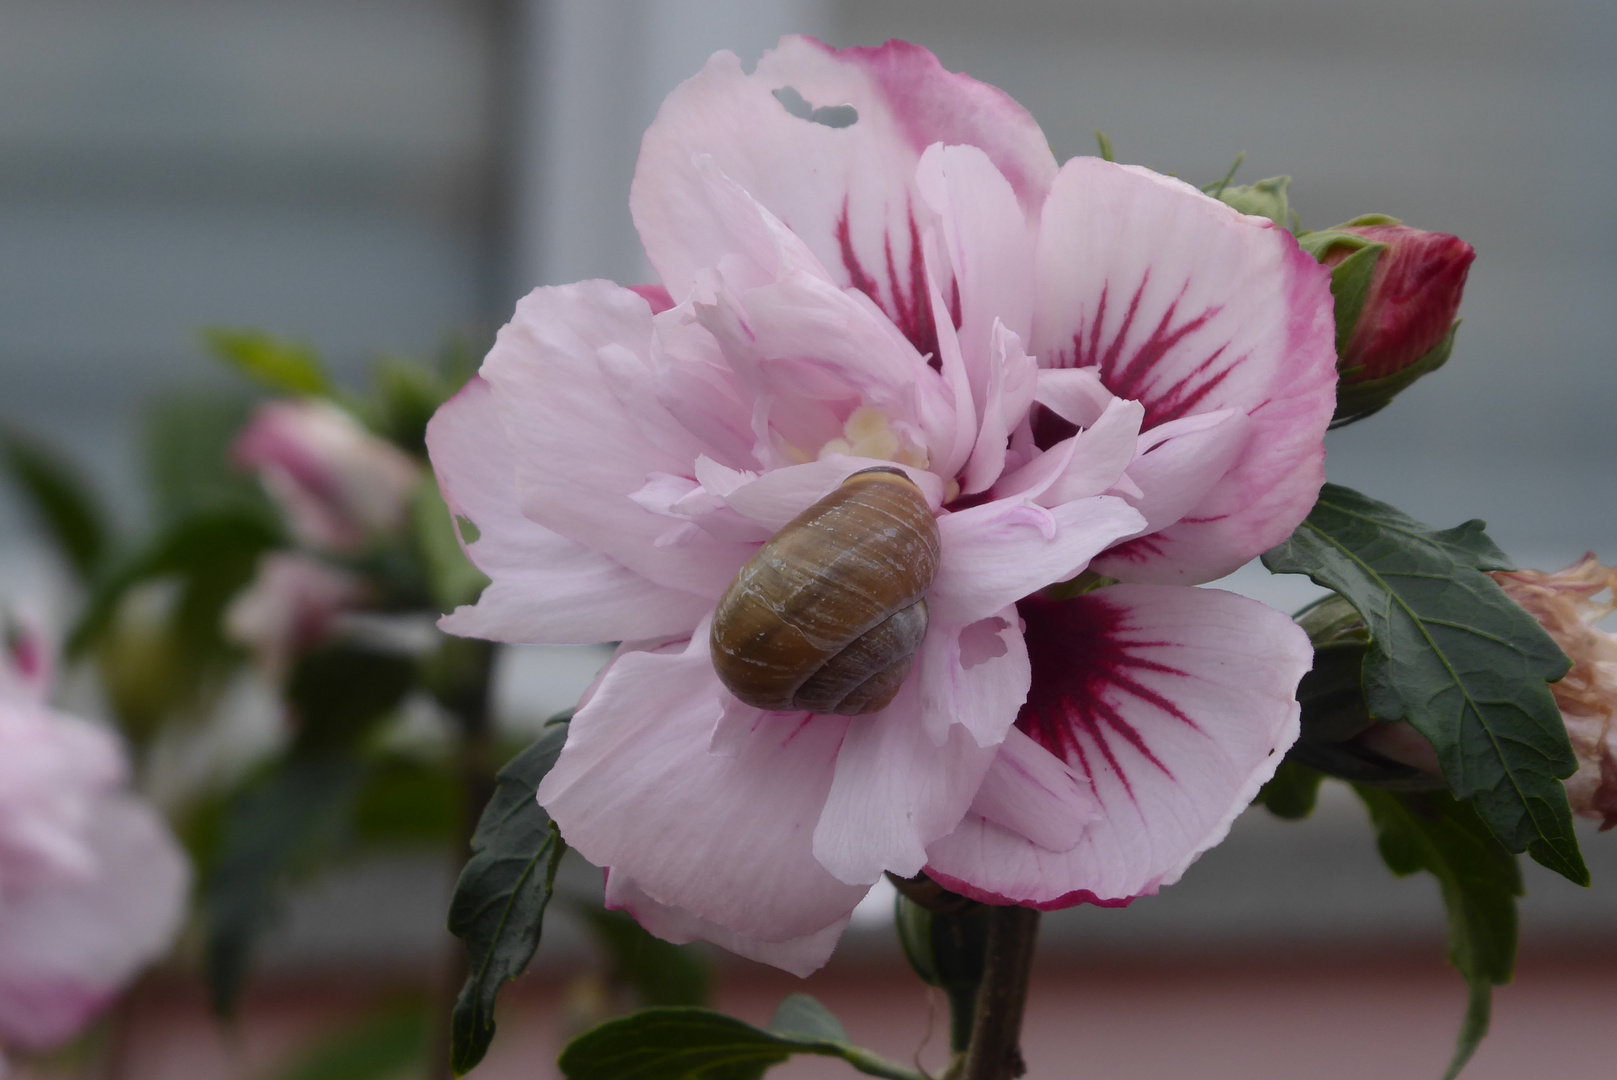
92,885
869,261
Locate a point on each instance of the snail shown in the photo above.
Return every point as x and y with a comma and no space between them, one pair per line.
827,615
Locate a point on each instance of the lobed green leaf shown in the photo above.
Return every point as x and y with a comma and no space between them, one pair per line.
499,903
1479,880
1453,655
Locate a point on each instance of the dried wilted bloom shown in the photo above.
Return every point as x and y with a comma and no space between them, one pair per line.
1565,604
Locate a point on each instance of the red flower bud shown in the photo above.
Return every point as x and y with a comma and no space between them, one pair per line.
1414,294
1397,291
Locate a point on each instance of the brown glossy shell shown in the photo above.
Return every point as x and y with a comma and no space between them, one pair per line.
827,615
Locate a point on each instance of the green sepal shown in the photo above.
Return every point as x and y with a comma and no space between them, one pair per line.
1357,400
1293,792
1453,655
948,950
499,904
1266,198
1479,880
700,1044
284,367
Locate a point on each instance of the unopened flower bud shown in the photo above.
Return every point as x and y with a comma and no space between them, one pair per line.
339,486
290,607
1339,736
1565,604
1397,292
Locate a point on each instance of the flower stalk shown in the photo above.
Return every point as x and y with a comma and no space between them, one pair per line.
995,1052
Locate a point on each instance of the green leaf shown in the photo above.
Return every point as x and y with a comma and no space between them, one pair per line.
450,574
1479,880
186,443
499,903
62,501
660,973
1293,791
273,829
339,692
284,367
1451,654
390,1045
700,1044
407,801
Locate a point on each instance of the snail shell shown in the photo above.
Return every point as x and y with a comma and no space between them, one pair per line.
827,615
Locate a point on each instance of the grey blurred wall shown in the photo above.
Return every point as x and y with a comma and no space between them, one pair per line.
320,169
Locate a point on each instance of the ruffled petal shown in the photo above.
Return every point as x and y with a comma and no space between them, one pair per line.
802,956
987,238
543,587
1034,794
1174,704
997,553
725,837
576,389
829,141
1181,303
975,675
895,792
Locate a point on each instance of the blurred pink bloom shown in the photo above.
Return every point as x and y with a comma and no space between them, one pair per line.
1565,604
92,885
290,606
340,486
867,260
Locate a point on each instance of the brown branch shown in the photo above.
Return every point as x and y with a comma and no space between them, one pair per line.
995,1052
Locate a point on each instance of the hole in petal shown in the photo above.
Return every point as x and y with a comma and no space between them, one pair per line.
981,642
468,531
831,116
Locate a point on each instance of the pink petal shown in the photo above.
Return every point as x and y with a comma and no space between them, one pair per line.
1175,704
68,946
997,553
988,240
975,675
775,498
848,191
544,587
802,956
1188,307
1034,794
1089,463
575,385
726,838
1174,476
1012,377
895,792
